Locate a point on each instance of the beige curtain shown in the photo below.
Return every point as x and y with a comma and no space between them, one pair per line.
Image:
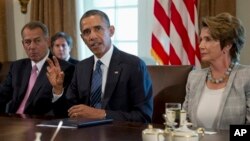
3,38
214,7
58,15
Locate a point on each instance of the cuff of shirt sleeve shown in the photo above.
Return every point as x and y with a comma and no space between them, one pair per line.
105,115
56,97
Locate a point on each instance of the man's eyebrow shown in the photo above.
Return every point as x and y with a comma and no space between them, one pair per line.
33,38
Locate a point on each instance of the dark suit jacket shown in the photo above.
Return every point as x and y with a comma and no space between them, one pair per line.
128,91
73,61
13,89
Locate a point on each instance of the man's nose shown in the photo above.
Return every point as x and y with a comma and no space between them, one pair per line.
92,35
61,47
32,44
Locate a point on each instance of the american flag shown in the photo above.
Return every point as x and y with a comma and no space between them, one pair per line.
175,32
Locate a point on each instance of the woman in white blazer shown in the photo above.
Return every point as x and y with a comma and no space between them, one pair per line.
219,95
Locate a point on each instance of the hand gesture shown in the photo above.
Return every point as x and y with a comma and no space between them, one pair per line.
55,75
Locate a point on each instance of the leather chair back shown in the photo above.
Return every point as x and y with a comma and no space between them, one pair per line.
169,85
4,69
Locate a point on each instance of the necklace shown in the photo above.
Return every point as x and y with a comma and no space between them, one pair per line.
222,79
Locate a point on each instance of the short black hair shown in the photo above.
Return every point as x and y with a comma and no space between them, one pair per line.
95,12
64,35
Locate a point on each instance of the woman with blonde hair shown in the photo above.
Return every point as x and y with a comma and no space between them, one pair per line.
219,95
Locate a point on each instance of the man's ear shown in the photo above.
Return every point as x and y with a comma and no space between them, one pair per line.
111,30
48,41
23,43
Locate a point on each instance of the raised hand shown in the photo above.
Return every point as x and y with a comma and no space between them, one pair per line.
55,75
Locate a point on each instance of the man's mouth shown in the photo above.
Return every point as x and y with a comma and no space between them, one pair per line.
95,45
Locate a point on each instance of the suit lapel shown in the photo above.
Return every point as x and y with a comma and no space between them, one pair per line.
86,83
198,94
225,96
24,75
114,72
41,80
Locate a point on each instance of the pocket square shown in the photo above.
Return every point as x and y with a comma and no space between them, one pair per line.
116,72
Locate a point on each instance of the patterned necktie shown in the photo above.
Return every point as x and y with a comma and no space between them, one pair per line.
96,86
32,81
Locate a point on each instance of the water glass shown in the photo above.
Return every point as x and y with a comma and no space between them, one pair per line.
172,111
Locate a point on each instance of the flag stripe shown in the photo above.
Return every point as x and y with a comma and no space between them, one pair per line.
174,59
178,43
162,40
159,50
190,6
161,16
177,21
159,40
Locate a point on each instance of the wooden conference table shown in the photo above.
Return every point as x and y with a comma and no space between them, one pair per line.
16,128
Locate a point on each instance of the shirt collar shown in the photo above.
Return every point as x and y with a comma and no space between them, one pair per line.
106,57
39,64
67,59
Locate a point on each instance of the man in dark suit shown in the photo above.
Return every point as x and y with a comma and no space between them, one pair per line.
61,46
126,88
16,91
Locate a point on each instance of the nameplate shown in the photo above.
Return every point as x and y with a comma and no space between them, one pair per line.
239,132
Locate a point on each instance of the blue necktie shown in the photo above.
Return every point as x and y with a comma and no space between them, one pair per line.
96,86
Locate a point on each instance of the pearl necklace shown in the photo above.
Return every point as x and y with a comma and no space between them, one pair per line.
222,79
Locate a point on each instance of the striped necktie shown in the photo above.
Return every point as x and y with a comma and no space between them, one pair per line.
96,86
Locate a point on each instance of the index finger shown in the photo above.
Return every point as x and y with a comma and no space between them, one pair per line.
56,61
50,62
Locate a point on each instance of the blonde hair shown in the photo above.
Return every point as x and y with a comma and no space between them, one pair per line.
228,30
